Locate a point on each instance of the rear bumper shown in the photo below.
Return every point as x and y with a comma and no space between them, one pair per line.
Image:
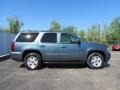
115,49
17,56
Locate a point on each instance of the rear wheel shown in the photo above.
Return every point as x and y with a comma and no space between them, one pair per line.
32,61
95,61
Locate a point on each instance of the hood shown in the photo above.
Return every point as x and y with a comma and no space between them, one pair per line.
94,44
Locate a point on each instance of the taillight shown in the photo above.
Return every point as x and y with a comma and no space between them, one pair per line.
13,46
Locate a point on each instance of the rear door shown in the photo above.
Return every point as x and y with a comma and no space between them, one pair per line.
49,46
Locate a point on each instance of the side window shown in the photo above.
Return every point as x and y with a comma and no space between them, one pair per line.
49,38
68,39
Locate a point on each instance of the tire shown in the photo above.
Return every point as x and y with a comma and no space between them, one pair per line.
32,61
95,61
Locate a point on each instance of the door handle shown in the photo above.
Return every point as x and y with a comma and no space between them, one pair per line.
42,46
63,46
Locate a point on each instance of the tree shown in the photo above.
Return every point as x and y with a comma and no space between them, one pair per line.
70,29
113,33
55,26
81,34
103,31
93,33
14,25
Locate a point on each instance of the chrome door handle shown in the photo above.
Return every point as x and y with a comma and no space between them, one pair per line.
42,46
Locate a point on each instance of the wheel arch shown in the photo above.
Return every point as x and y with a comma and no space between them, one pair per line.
31,51
96,51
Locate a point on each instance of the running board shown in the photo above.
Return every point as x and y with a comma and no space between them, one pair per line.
78,62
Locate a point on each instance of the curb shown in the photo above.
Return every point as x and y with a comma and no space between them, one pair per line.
4,57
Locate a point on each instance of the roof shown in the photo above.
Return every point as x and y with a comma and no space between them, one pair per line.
36,31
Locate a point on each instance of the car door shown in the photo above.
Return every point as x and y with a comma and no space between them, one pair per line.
49,46
69,48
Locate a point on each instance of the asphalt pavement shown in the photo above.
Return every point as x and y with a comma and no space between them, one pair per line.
13,76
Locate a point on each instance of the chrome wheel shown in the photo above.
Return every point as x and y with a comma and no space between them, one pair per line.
96,61
32,62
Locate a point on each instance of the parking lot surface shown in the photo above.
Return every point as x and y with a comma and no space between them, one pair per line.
13,76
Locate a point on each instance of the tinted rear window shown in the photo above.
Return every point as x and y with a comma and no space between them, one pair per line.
49,38
27,37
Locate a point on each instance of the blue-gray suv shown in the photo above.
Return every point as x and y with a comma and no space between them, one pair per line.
38,48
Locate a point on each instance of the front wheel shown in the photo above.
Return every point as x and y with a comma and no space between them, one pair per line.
32,61
95,61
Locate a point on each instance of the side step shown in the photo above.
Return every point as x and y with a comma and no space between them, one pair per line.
78,62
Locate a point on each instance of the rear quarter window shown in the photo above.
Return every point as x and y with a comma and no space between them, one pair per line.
27,37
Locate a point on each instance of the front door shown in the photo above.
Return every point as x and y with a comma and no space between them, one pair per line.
69,49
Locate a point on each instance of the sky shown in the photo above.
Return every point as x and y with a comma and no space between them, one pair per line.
38,14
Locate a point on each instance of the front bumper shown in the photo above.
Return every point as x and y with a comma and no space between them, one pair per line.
16,56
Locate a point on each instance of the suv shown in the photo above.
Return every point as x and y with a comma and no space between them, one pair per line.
38,48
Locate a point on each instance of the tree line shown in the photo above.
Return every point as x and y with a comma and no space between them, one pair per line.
107,34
